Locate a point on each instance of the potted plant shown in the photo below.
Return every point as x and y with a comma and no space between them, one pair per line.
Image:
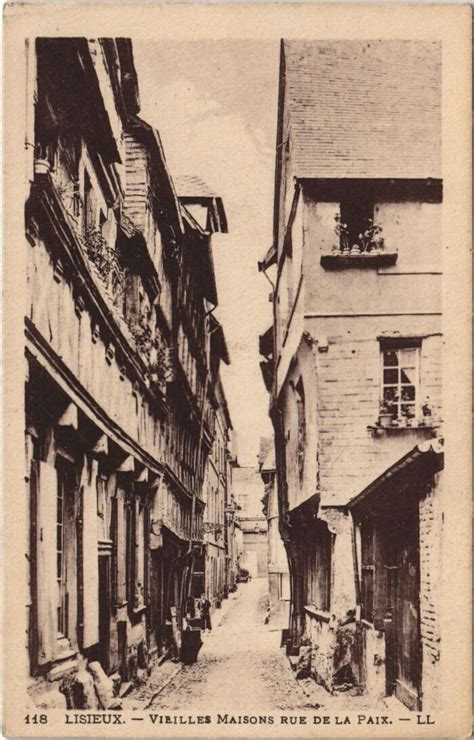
371,240
427,412
342,232
386,413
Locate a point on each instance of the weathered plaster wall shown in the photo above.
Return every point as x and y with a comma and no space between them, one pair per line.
411,229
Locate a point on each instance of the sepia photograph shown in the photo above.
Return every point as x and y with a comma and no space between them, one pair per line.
237,335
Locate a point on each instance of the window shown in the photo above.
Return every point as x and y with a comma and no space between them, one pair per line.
64,525
400,380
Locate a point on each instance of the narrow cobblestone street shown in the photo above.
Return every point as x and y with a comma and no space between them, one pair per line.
240,668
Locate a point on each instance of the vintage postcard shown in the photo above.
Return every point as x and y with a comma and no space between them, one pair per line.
236,353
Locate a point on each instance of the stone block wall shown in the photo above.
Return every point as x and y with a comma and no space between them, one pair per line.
348,390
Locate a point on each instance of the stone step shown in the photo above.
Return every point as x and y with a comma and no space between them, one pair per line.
125,688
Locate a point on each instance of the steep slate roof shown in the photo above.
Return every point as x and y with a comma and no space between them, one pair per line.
368,109
191,189
191,186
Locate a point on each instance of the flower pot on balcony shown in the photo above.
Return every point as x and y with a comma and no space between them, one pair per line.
355,249
379,242
385,420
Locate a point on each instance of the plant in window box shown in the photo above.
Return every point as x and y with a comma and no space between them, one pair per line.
342,232
409,416
371,240
387,413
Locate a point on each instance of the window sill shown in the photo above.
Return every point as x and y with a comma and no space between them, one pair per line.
344,261
320,615
389,429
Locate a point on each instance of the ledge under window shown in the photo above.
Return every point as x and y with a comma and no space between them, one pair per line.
319,614
389,429
343,261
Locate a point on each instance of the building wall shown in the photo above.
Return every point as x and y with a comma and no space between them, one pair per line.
329,338
115,421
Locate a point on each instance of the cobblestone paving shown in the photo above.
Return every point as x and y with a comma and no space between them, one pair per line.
241,666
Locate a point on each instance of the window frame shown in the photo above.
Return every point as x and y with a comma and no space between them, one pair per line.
398,346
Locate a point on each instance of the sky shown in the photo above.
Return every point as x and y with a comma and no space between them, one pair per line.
214,104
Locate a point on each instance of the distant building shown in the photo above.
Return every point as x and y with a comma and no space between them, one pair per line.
248,492
353,360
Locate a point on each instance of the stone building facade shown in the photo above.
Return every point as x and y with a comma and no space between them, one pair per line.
353,361
121,368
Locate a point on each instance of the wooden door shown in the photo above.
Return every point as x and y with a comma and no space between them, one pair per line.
104,611
406,620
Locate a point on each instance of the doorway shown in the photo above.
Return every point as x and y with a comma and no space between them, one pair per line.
104,612
402,562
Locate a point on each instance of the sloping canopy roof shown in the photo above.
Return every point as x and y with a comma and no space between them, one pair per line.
423,460
364,109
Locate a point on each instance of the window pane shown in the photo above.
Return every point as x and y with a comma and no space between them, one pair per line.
408,375
390,395
390,376
390,358
408,356
408,393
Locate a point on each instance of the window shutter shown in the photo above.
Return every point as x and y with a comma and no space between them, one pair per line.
47,596
90,550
